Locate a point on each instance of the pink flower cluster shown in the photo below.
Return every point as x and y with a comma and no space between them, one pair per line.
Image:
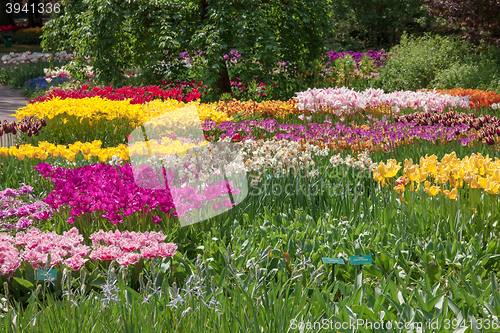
107,190
128,248
346,101
17,206
115,193
34,247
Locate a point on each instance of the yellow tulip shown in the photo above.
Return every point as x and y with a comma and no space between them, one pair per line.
483,182
493,187
431,190
4,152
453,194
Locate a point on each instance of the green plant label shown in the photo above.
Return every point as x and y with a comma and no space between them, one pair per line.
361,260
46,274
333,260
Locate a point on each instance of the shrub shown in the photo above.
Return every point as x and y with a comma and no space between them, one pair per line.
478,71
30,36
415,62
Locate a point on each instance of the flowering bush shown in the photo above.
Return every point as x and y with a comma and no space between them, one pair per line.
379,57
27,36
18,209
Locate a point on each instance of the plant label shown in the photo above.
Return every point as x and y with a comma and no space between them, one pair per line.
46,274
361,260
338,261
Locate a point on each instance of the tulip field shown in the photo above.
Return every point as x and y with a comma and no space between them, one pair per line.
93,240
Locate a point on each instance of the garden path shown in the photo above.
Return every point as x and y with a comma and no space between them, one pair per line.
10,101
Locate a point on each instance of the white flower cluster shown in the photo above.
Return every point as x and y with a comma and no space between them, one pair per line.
280,156
495,106
346,101
63,56
16,59
115,160
204,162
363,162
50,73
64,71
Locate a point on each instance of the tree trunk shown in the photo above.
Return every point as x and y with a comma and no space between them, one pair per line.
223,84
34,19
5,19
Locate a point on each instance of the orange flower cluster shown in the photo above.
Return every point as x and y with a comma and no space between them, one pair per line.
478,98
276,109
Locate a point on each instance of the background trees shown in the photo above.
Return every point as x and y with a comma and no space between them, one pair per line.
478,20
119,34
376,24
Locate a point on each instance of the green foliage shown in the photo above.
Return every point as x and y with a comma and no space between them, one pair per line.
415,62
367,24
478,71
26,38
15,77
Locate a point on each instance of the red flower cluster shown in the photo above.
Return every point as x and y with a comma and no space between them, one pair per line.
138,95
10,28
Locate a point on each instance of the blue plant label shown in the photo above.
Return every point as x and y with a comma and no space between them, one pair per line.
333,260
46,274
361,260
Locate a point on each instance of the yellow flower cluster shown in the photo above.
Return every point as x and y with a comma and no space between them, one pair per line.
167,147
69,152
89,149
385,171
36,30
95,108
476,171
379,110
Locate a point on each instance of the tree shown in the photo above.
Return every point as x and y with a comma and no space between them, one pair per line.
5,18
374,24
34,17
119,34
479,20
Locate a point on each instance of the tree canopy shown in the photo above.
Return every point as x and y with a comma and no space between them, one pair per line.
479,20
118,34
